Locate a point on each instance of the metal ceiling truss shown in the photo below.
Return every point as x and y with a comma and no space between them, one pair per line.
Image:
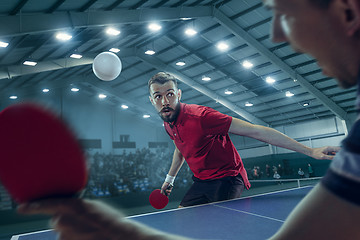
241,33
38,23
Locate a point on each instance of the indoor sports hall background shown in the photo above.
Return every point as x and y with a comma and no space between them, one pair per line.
221,52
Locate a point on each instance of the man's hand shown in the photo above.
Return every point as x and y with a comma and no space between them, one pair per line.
325,153
77,219
166,188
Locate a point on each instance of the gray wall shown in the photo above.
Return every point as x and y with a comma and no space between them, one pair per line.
315,133
92,118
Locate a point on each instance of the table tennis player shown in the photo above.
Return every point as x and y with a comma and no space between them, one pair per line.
201,138
329,30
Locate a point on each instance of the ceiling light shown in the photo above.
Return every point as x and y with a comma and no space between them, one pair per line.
228,92
77,56
246,64
190,32
30,63
63,36
185,18
114,50
3,44
270,80
206,78
75,89
150,52
102,96
289,94
112,31
249,104
154,27
305,104
180,63
222,46
124,106
13,97
45,90
146,116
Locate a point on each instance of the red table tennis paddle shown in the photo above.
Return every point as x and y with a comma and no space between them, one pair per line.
158,200
39,155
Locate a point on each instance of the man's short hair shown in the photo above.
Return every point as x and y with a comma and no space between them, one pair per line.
321,3
161,78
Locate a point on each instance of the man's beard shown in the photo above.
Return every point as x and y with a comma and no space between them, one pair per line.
172,117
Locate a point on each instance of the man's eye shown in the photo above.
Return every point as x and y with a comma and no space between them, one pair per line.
171,94
157,96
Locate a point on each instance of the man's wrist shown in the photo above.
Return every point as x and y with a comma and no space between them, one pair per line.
170,179
310,151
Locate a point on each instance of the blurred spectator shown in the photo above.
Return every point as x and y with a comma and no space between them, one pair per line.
255,173
280,169
277,176
311,171
301,173
260,173
274,169
267,170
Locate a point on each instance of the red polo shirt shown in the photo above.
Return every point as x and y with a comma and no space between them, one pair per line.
201,135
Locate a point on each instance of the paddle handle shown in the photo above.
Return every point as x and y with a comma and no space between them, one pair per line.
168,188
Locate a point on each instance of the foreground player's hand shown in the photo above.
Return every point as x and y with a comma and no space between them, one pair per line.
326,153
166,188
77,219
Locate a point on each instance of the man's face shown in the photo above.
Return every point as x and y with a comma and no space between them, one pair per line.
166,100
318,32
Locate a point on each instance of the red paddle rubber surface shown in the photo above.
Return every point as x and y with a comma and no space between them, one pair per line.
39,155
158,200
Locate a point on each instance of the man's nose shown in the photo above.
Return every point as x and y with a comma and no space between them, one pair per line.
277,33
165,101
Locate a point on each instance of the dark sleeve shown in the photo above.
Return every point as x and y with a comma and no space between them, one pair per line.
352,142
343,176
343,187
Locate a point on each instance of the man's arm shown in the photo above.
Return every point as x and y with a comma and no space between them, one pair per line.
321,215
274,137
176,164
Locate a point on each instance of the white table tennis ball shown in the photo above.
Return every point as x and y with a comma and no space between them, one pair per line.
107,66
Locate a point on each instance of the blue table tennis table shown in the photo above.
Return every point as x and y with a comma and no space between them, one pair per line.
253,218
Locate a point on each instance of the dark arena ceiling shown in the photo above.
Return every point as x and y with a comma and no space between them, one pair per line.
237,74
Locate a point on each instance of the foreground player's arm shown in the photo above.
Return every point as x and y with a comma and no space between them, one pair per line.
321,215
176,164
274,137
91,220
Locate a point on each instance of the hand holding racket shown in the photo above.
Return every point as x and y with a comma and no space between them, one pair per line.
166,188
